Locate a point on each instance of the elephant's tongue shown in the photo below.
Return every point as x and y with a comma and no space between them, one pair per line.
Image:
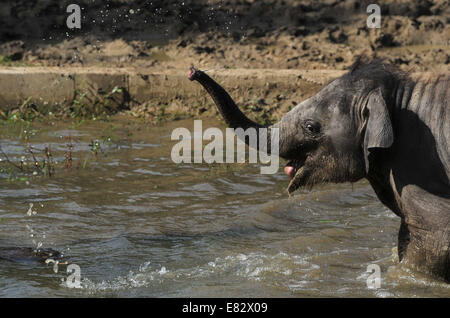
290,171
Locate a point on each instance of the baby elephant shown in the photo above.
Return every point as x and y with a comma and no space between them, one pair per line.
374,122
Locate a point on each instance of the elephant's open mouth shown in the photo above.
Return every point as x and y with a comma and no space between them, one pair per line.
295,169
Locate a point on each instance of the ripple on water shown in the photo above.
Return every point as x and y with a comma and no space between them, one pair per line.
139,225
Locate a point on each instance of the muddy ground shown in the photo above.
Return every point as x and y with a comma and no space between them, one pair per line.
231,34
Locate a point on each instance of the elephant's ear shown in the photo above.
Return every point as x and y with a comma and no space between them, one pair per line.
379,132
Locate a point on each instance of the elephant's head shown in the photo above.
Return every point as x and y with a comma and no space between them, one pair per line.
345,132
328,137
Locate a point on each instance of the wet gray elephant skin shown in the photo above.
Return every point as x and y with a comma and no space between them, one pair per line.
378,123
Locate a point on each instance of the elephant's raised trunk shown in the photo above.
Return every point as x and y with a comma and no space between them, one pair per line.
234,118
230,112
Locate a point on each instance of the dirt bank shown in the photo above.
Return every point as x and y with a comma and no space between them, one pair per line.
225,34
162,36
265,94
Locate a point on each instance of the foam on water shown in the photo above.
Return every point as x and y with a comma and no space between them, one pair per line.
252,266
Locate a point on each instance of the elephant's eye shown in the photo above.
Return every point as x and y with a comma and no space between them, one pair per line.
312,127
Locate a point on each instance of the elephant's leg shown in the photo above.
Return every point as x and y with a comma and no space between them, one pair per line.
424,236
403,239
426,251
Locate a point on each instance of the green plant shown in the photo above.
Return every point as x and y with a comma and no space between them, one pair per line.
161,113
5,61
95,146
94,105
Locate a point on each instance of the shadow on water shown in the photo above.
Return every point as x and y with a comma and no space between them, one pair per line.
28,255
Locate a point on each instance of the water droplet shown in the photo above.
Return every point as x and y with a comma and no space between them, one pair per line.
30,210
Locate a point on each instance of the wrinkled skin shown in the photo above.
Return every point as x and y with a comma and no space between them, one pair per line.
375,123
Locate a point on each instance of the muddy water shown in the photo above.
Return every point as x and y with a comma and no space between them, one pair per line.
137,224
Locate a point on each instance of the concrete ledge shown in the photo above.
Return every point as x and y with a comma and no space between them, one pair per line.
59,87
41,88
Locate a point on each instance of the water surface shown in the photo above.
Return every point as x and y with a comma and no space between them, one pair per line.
137,224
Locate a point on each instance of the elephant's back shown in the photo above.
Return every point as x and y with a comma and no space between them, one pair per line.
440,120
430,101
